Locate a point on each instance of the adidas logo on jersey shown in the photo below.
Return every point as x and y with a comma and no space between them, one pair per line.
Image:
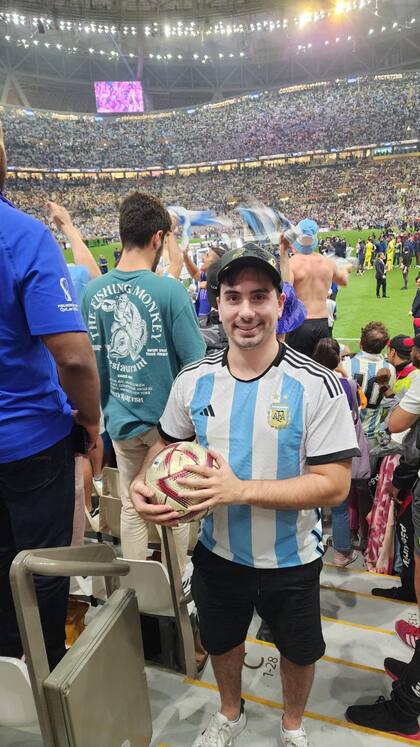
208,412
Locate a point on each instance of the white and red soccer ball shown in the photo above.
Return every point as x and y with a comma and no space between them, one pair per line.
172,464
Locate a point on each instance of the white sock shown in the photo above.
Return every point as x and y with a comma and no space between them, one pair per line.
292,732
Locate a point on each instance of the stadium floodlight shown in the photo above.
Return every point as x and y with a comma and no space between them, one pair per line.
221,55
180,57
383,28
371,31
395,24
304,18
339,7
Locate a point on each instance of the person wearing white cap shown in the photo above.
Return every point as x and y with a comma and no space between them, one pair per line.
312,275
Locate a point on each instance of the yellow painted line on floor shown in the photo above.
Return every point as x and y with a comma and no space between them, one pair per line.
347,569
330,659
307,714
352,664
364,594
357,625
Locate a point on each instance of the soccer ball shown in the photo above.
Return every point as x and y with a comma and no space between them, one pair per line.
170,464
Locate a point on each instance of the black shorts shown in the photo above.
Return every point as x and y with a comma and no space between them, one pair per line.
227,593
304,338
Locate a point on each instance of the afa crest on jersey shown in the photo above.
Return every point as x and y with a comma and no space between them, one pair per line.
278,415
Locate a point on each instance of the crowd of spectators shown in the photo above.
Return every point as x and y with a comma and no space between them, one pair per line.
354,194
330,116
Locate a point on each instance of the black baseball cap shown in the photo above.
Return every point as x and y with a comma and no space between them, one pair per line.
416,341
249,255
402,345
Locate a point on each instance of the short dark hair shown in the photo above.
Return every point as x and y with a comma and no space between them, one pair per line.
141,216
327,353
374,337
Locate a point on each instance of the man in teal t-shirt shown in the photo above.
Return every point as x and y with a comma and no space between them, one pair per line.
143,330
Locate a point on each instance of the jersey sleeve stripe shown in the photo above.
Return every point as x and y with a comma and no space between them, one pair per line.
331,382
208,361
315,367
172,439
337,456
330,391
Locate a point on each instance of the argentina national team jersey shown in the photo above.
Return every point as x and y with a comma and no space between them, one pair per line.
363,367
270,428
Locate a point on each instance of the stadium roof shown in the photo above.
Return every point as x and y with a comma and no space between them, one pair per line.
188,52
134,11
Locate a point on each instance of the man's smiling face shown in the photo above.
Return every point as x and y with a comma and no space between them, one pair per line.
249,308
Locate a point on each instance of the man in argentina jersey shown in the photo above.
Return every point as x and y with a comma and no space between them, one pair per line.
364,368
281,431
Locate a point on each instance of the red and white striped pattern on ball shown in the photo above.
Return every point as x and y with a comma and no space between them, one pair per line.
170,465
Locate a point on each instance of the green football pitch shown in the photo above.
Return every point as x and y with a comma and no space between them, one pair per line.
357,303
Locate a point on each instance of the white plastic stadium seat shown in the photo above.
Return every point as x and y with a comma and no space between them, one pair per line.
17,706
160,596
150,581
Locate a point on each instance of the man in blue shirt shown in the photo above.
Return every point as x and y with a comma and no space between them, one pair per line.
46,361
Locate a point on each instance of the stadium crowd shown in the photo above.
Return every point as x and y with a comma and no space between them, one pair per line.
146,337
331,116
358,194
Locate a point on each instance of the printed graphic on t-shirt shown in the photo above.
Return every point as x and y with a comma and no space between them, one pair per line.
134,335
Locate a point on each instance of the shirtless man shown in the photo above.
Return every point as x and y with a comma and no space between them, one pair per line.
311,275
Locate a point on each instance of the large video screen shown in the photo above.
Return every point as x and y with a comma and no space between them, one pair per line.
117,96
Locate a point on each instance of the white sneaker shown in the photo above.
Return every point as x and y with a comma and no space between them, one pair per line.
298,738
221,732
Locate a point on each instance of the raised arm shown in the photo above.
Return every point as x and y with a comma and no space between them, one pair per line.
285,269
81,254
341,274
176,260
192,268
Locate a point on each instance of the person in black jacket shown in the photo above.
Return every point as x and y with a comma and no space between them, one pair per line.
380,272
415,308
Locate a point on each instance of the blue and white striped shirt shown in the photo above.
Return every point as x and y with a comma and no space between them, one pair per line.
270,428
363,367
